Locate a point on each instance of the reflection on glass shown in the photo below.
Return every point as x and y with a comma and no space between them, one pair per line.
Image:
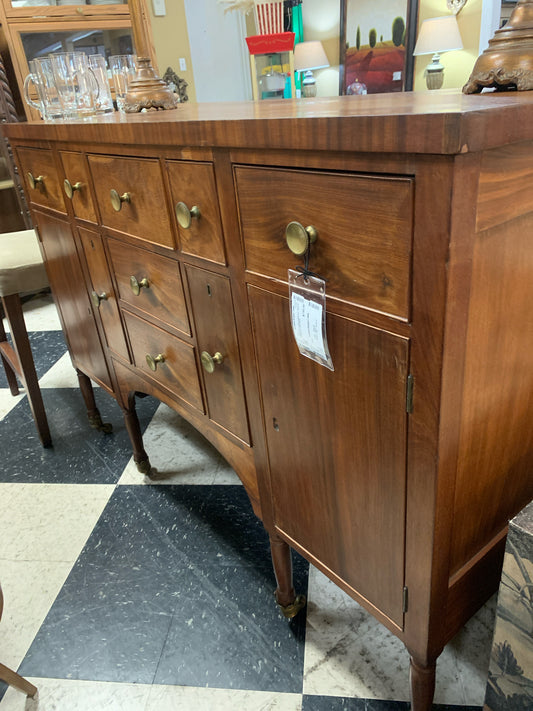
34,3
105,42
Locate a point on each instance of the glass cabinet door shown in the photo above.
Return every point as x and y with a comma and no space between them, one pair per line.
59,3
91,41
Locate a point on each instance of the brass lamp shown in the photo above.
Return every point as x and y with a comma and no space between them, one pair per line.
309,56
438,34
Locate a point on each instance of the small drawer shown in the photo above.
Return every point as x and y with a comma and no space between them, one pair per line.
76,185
151,283
131,197
41,180
364,228
195,202
173,362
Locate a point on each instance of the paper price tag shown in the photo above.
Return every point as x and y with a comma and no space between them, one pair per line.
308,316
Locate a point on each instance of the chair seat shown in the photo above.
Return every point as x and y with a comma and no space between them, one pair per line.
21,263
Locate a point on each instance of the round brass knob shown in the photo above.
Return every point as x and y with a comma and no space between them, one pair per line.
154,360
299,237
70,189
136,286
185,215
33,181
209,362
117,200
97,298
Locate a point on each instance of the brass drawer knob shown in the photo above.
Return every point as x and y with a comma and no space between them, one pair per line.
209,362
97,298
71,189
117,200
154,360
136,286
299,238
33,181
185,215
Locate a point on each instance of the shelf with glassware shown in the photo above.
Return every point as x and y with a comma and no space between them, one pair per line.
36,28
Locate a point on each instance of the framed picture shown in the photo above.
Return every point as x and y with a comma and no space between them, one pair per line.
377,38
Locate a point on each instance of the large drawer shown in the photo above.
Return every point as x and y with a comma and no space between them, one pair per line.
40,178
175,365
76,185
364,225
138,207
151,283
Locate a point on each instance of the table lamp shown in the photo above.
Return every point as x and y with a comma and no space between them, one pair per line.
309,56
438,34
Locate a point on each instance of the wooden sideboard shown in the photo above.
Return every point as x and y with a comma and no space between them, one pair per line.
397,472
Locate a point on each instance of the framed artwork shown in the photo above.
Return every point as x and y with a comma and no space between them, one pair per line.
377,38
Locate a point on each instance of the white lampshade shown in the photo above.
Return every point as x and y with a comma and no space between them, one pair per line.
310,55
439,34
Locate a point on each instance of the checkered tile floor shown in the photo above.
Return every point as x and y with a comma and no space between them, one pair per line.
129,595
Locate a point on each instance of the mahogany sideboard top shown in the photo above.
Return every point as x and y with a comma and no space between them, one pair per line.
396,473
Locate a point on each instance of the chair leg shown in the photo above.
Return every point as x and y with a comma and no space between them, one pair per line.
5,350
28,376
11,677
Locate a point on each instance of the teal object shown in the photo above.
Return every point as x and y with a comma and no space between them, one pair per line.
298,29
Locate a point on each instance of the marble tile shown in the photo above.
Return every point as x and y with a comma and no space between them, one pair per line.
180,454
186,698
48,523
61,375
156,586
350,654
46,347
68,695
29,588
40,312
79,454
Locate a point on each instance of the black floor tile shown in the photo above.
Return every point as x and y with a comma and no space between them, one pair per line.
79,454
160,596
46,347
338,703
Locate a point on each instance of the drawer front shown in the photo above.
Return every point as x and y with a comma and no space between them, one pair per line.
177,373
106,303
77,175
157,288
142,212
364,227
38,165
193,184
215,330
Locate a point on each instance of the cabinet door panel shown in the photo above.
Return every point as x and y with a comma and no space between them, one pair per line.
40,165
215,329
77,174
337,447
70,293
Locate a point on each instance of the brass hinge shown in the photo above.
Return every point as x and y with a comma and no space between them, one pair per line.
405,599
409,394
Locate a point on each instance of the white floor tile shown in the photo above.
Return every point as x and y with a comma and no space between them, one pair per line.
29,591
48,522
183,698
8,401
179,453
40,314
61,375
67,695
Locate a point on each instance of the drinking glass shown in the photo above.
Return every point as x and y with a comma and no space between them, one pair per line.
98,66
76,84
42,78
123,67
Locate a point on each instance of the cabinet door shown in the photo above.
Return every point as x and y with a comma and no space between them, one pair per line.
70,293
337,447
77,176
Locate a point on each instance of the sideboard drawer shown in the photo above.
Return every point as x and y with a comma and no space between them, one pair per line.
40,178
151,283
193,188
364,226
131,197
76,185
175,365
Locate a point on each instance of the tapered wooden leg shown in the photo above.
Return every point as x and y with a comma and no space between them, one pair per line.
289,602
134,431
10,677
422,686
93,413
20,359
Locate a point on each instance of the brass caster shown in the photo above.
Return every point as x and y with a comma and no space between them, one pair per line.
144,467
95,421
291,610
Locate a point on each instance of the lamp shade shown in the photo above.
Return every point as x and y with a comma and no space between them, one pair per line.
310,55
438,34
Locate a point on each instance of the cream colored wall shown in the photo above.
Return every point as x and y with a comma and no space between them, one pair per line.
457,65
321,21
171,41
